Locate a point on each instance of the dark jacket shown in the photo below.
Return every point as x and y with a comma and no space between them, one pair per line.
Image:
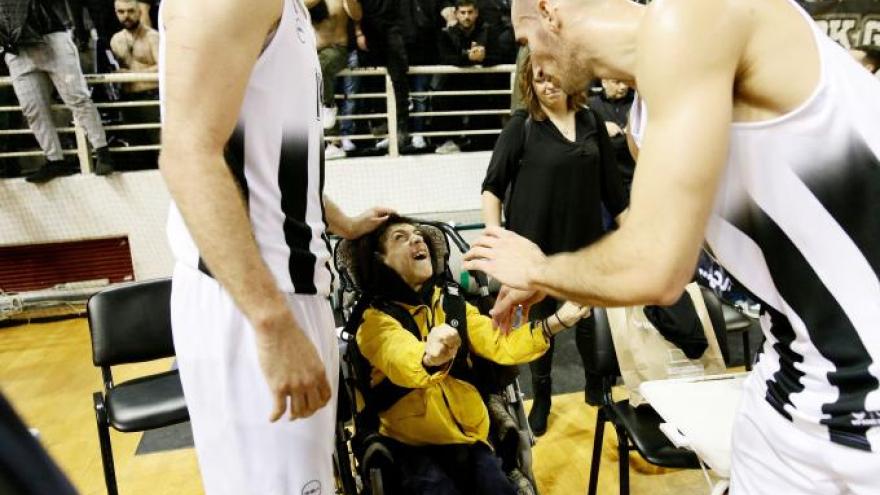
455,43
25,22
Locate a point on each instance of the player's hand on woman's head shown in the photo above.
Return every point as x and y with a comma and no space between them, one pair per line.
293,371
368,221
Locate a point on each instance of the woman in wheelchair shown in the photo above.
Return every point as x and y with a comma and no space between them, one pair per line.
419,339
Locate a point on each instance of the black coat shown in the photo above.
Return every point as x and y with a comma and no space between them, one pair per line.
25,22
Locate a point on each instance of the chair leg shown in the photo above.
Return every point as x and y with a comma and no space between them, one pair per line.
106,447
623,459
597,452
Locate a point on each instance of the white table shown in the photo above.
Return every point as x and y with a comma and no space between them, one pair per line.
699,414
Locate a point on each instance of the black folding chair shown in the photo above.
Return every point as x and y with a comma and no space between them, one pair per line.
637,428
132,324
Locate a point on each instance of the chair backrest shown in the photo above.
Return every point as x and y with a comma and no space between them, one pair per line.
603,360
131,323
716,316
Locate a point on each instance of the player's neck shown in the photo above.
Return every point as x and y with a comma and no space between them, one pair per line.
616,33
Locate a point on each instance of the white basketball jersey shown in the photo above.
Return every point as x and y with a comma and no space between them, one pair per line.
797,221
276,155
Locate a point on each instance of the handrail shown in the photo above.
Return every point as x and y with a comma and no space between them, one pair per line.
390,114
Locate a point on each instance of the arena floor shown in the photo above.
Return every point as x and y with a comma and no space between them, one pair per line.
47,373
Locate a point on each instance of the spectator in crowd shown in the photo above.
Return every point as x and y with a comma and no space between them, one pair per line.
136,49
869,57
379,35
423,22
427,365
40,52
464,44
100,14
613,105
552,170
330,21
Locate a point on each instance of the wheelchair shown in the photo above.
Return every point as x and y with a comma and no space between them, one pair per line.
363,459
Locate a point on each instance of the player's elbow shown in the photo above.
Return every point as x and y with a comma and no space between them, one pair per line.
667,284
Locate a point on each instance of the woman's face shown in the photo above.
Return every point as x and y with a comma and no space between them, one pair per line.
550,95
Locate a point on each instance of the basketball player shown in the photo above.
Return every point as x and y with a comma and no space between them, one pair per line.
760,134
253,331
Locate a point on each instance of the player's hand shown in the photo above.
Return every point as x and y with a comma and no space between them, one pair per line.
508,303
441,345
506,256
292,369
367,221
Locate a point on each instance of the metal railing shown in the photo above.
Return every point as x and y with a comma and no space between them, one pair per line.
390,115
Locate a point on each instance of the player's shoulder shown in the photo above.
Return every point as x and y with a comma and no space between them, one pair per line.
682,32
705,21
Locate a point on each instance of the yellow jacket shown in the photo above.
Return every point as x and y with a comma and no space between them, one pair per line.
441,409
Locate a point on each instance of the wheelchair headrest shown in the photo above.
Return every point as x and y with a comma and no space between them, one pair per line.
350,256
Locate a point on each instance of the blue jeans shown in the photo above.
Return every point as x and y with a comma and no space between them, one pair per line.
420,83
351,85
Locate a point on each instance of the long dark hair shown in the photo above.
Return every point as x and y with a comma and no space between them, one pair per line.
533,104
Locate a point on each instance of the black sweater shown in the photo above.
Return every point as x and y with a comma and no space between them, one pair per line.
559,186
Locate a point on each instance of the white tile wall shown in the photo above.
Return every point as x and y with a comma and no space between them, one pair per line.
136,203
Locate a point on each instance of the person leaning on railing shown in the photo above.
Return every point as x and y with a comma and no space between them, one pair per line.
38,47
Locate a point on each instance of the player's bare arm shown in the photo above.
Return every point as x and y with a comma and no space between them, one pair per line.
202,98
652,256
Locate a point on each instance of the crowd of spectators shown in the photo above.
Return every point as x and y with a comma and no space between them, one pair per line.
47,45
103,36
121,36
395,34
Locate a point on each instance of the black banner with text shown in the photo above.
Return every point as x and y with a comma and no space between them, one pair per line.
848,22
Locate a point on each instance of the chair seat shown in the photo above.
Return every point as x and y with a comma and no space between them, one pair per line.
734,320
146,403
641,424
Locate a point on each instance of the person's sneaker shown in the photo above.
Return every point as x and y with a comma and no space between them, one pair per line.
520,482
104,164
332,152
447,148
328,117
50,170
383,144
418,142
348,145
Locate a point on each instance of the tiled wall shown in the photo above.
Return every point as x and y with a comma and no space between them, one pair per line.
135,204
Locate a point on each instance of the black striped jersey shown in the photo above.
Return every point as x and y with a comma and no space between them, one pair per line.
276,156
797,220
